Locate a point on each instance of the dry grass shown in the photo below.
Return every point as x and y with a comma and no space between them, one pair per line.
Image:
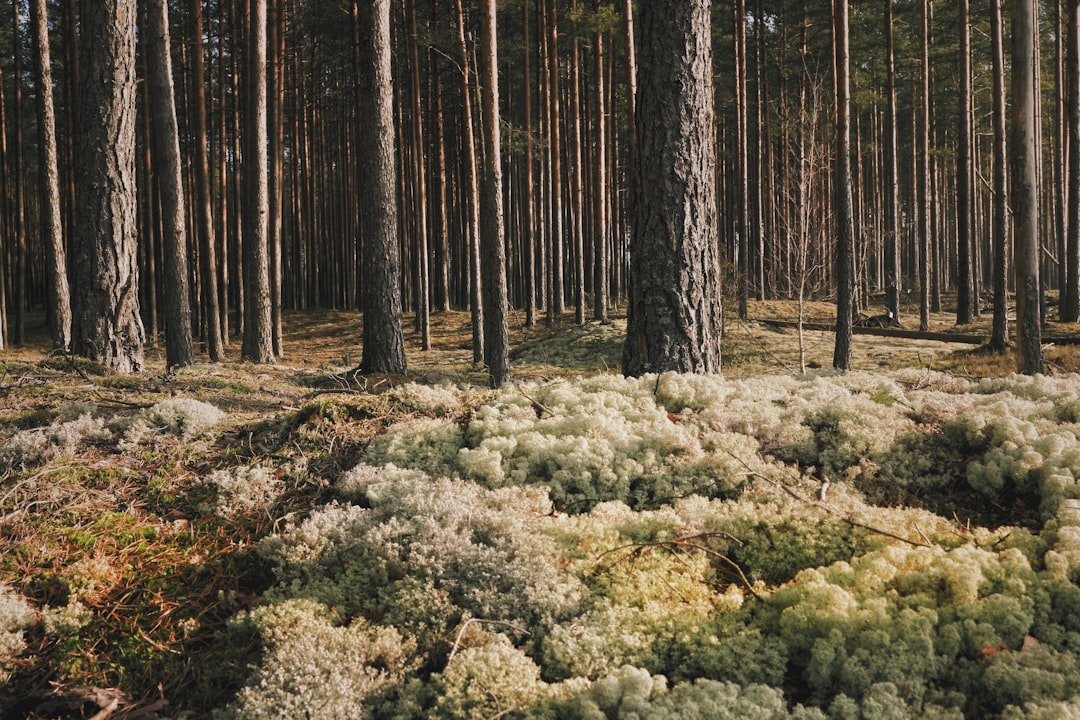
172,573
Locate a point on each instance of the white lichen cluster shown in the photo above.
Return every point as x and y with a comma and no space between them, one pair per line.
16,616
181,416
432,399
684,547
243,488
62,438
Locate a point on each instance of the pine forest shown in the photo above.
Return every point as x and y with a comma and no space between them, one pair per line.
547,359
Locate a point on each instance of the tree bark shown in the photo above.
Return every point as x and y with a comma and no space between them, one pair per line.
964,282
528,193
204,215
891,184
1070,301
20,263
52,229
105,304
1023,160
600,201
384,340
492,238
675,318
845,236
258,345
999,338
165,146
471,192
925,209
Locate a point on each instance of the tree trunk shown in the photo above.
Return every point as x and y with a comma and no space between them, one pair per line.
600,170
492,240
275,128
675,319
471,191
423,298
528,194
52,229
965,303
384,340
204,216
845,240
258,345
20,264
105,303
999,338
1070,301
165,145
742,171
891,184
556,300
1029,358
925,209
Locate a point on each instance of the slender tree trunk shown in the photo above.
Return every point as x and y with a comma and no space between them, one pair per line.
556,300
1070,302
204,216
528,200
600,170
925,208
742,170
965,303
52,229
999,337
845,240
493,255
442,237
258,345
21,264
165,146
384,339
472,192
106,326
1029,358
423,309
891,184
675,320
275,128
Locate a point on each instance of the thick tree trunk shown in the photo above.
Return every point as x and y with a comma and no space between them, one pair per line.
165,146
492,239
1023,161
842,209
258,333
52,229
275,128
105,304
675,317
384,340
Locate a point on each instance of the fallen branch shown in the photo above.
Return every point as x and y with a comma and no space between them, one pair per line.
822,506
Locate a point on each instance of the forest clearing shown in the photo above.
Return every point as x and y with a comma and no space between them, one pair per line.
298,540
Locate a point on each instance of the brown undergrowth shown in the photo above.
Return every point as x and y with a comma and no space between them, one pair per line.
125,538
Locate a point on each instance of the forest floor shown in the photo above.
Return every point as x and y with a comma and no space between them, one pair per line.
126,531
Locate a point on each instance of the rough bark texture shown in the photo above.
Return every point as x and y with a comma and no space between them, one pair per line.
52,230
845,233
675,315
384,341
492,236
258,343
1025,200
106,323
165,146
